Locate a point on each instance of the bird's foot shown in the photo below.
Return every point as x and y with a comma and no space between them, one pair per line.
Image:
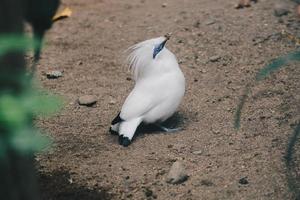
113,132
124,141
168,130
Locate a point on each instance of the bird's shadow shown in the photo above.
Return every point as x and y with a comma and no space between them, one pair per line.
58,185
174,122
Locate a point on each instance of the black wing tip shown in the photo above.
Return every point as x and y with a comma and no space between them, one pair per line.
117,119
113,132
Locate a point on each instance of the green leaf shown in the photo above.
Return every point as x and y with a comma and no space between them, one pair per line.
12,113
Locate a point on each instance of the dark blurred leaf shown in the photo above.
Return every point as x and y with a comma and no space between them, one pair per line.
13,42
263,73
277,64
238,113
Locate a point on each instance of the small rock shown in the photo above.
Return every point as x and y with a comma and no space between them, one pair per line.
244,181
209,22
214,58
281,9
206,183
243,4
87,100
177,174
54,74
112,102
197,152
164,5
148,192
197,24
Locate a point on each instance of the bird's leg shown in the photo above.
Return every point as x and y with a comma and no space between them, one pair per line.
127,130
168,130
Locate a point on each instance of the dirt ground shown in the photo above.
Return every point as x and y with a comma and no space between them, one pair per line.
87,162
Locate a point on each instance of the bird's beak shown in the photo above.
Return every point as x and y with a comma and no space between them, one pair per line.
167,36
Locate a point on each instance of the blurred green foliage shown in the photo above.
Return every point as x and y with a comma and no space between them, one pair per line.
16,43
17,111
273,66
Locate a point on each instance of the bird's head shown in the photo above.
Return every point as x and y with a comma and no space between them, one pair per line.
159,44
142,55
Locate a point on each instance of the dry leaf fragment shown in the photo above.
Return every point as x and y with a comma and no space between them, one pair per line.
67,12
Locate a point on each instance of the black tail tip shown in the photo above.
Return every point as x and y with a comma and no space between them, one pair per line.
124,141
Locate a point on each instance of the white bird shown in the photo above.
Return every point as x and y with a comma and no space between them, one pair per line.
158,91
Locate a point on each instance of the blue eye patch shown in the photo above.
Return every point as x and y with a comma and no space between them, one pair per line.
158,48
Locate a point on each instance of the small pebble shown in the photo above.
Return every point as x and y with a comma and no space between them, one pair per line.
281,9
112,102
164,5
197,152
148,192
177,174
197,24
210,22
206,183
87,100
54,74
244,181
214,58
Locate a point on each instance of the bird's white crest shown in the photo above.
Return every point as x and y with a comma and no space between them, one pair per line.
141,55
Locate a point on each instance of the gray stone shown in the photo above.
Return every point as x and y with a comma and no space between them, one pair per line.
209,22
281,9
54,74
164,5
197,152
177,174
214,58
87,100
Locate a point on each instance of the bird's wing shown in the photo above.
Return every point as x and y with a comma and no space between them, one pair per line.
142,98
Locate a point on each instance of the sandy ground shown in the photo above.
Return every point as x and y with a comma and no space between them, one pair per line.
87,162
